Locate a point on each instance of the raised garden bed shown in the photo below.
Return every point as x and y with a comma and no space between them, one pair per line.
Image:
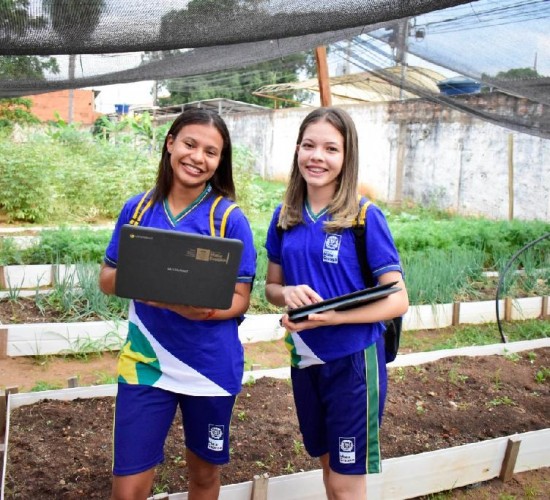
448,423
32,339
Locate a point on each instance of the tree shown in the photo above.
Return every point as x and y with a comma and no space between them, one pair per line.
517,73
16,110
15,20
31,67
230,84
63,14
239,84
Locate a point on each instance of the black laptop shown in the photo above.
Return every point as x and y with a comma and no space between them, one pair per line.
343,302
176,267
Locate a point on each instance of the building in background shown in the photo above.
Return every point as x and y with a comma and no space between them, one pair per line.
45,106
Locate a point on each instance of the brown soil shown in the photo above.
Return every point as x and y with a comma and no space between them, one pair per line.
63,449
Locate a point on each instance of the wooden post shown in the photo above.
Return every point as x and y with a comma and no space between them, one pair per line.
72,382
544,311
507,309
4,406
3,271
322,75
3,414
456,313
3,343
510,457
259,487
400,163
510,177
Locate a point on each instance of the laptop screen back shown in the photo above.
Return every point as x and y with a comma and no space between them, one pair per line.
176,267
344,302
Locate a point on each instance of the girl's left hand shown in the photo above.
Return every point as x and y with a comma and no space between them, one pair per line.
188,312
328,318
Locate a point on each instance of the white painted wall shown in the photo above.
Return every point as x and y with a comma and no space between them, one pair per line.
452,160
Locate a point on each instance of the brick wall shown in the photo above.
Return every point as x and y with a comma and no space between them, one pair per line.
46,105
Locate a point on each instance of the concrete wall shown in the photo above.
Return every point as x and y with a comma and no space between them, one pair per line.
424,152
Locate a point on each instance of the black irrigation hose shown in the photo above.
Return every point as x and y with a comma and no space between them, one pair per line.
503,274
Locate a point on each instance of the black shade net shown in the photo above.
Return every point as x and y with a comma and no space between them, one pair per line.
504,45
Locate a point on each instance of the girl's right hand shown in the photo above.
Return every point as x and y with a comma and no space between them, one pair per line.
300,295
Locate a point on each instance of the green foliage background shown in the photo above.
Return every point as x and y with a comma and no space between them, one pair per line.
65,176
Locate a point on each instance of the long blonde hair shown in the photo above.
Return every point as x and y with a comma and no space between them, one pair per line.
344,206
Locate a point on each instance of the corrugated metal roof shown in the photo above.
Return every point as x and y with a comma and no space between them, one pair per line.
365,86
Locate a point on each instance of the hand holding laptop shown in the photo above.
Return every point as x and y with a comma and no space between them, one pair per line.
343,302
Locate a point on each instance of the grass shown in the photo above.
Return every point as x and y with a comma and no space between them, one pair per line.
45,386
468,335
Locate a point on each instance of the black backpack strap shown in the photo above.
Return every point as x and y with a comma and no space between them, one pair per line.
360,231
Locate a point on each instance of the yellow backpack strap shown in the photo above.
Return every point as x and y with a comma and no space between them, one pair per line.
228,210
138,213
223,224
360,219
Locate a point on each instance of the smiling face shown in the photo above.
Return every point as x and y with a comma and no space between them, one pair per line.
195,154
320,156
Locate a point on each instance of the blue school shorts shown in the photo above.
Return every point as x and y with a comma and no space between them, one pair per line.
144,415
340,405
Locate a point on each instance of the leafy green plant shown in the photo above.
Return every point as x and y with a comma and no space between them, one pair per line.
501,400
297,447
514,357
289,468
14,290
103,378
45,386
16,110
420,408
456,378
542,375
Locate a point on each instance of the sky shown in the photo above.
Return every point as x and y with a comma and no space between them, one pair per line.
503,34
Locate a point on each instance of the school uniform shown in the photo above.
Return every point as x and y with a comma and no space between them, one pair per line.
199,360
338,372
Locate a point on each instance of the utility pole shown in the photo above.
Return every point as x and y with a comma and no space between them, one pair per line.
322,75
401,35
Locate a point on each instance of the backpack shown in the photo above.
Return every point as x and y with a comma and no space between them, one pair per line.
147,199
392,334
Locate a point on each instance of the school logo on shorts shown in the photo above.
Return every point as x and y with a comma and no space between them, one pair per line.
331,248
347,450
215,437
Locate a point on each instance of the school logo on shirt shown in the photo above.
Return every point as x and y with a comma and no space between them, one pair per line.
331,248
347,450
215,437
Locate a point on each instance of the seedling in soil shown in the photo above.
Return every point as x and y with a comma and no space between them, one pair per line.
456,378
289,468
514,357
502,400
542,375
298,447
